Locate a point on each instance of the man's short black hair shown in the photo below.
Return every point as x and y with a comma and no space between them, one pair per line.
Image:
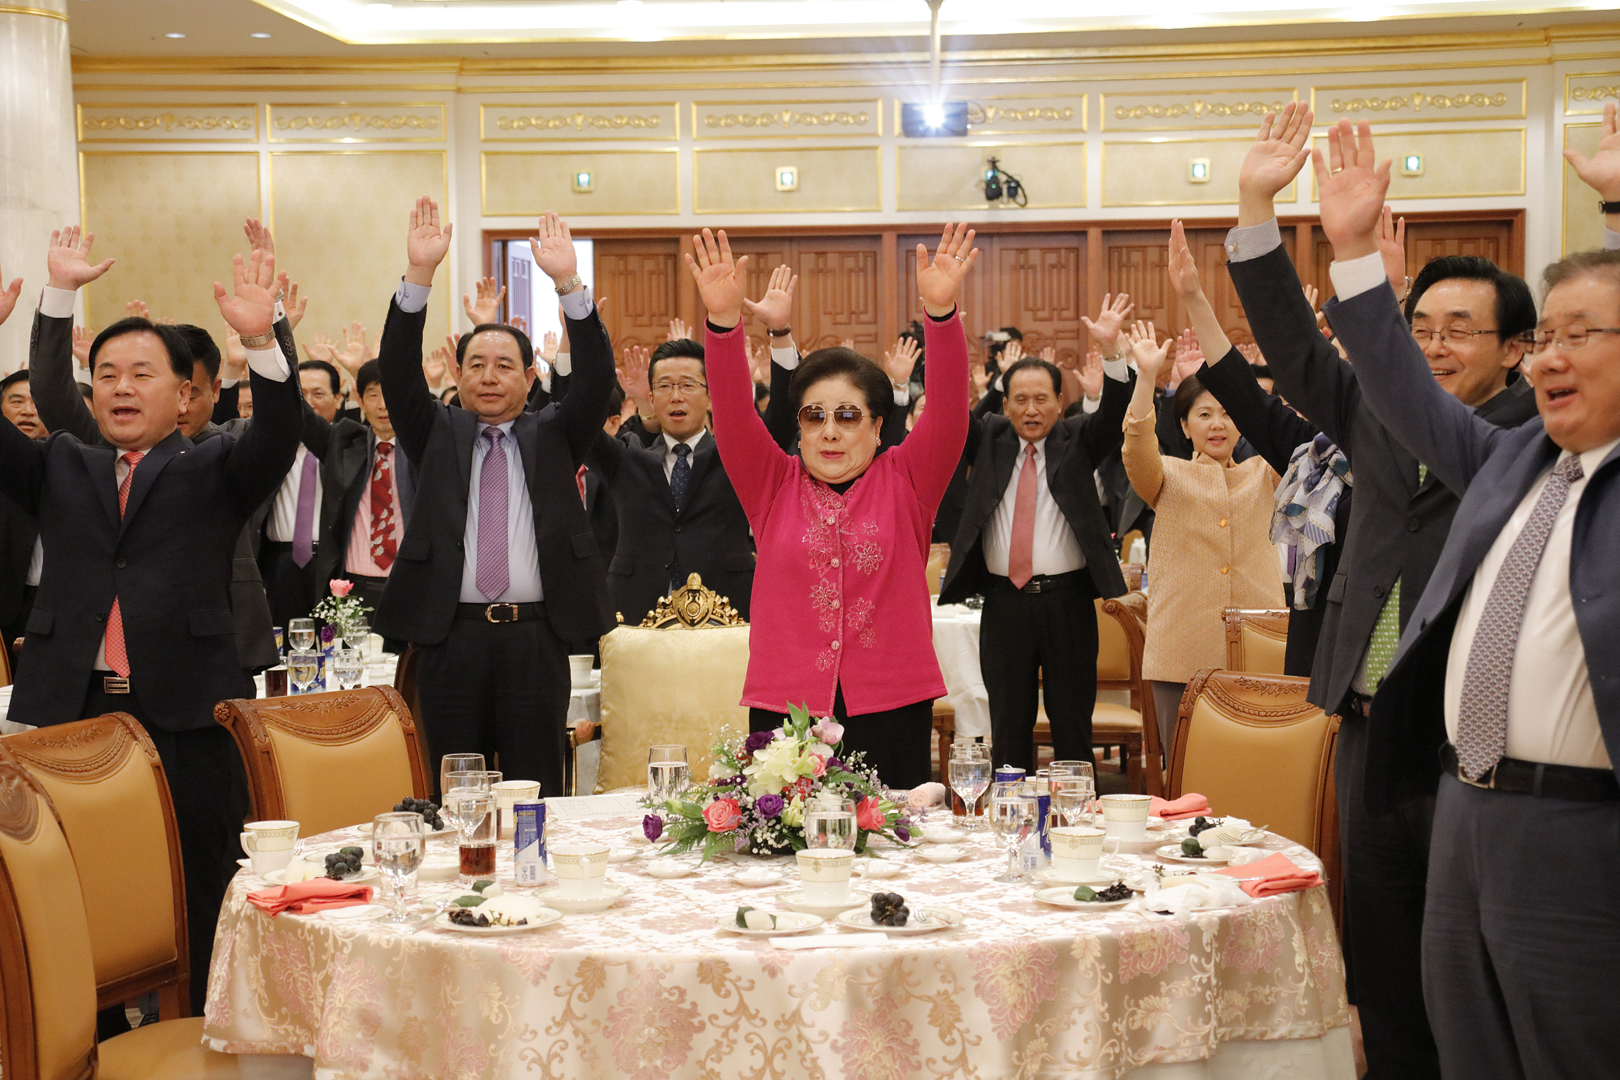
331,373
680,347
838,361
20,375
89,394
1515,312
203,349
615,404
1033,363
174,343
996,348
370,372
525,346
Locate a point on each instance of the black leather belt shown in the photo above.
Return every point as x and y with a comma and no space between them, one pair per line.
1536,778
500,613
1040,582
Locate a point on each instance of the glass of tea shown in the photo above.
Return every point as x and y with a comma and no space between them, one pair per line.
475,814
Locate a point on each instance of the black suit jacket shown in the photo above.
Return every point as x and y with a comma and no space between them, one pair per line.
424,583
1073,448
167,559
18,531
1397,525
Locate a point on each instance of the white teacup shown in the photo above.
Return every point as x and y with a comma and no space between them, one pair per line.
269,844
579,670
581,869
1076,850
1125,816
825,874
508,792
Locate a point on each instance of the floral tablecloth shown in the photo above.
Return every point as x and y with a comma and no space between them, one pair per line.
650,989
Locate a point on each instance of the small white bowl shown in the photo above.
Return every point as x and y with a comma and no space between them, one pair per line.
439,868
943,854
944,834
757,877
878,868
670,868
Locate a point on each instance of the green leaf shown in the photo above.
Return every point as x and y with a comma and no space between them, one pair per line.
742,917
480,886
468,901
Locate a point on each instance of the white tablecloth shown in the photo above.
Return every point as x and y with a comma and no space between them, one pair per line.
956,644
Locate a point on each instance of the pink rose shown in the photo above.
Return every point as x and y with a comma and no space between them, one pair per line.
829,731
869,814
341,587
818,765
722,815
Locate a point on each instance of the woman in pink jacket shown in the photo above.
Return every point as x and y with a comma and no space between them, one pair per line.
841,620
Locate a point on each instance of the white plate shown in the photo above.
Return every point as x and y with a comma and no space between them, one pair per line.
1236,837
939,918
1063,897
1172,853
439,868
945,836
611,894
623,854
367,873
878,868
1113,845
1049,875
544,917
756,878
669,868
362,911
795,901
942,854
787,922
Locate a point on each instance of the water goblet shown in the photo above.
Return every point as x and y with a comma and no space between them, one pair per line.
668,773
348,668
397,843
1012,816
301,633
831,824
455,763
304,670
1071,795
969,775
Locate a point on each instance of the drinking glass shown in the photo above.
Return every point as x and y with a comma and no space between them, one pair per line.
1071,795
348,667
454,763
301,633
969,775
1012,816
304,669
457,782
831,825
668,773
475,808
397,841
356,635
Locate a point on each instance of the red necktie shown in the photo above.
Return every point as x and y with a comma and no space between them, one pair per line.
579,478
383,545
1021,555
117,656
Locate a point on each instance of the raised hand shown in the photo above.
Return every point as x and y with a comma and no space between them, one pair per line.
847,343
322,348
900,361
980,375
81,345
1250,352
69,260
520,324
1351,184
258,235
1278,153
1151,358
1311,295
1105,331
8,298
1601,171
1049,355
1011,353
633,377
553,249
1392,246
488,306
249,307
548,347
233,365
938,282
1189,358
1183,271
719,277
354,351
775,308
678,330
759,362
435,365
426,241
137,309
294,307
1091,375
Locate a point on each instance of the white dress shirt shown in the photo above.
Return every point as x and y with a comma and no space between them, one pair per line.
284,510
1056,551
669,451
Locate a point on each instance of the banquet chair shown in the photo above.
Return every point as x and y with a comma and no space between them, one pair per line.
327,761
1234,727
674,679
939,557
1256,639
5,668
97,772
47,973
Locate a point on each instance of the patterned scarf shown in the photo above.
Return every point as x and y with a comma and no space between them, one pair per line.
1305,502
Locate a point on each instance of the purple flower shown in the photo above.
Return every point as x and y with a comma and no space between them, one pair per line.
768,805
834,763
902,833
652,826
758,741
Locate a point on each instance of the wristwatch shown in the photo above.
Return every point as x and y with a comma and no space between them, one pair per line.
786,331
570,285
1606,207
258,341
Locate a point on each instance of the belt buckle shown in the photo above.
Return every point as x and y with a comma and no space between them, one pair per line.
114,684
1487,782
511,610
1033,585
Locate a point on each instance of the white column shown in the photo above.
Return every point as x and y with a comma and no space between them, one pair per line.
39,172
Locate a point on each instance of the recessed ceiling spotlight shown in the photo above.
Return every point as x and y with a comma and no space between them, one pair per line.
258,34
174,35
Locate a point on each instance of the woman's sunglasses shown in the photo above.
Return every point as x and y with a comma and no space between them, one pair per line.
814,417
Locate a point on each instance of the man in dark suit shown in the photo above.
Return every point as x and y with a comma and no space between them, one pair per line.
133,612
1506,673
1034,541
1399,522
376,505
21,555
499,568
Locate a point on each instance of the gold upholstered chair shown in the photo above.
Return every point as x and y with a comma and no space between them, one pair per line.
108,786
1256,640
327,761
47,974
939,559
674,679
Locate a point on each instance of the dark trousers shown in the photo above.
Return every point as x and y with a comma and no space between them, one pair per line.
1521,938
501,690
370,590
1030,639
291,589
1385,863
897,743
17,627
210,793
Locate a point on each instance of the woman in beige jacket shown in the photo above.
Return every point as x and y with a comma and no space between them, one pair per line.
1211,545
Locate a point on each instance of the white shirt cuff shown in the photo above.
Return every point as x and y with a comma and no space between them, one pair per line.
1611,240
1253,241
995,384
226,384
412,298
902,398
577,305
787,359
269,363
57,303
1118,369
1357,276
281,312
1090,405
563,364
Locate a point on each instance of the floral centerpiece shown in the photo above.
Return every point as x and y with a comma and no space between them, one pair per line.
761,785
340,609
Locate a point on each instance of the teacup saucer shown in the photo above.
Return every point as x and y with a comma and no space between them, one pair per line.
623,854
756,877
551,897
944,854
945,835
880,868
795,901
1051,875
669,868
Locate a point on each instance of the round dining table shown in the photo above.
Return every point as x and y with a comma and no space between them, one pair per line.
652,988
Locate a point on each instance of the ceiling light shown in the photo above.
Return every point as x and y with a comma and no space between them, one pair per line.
258,34
174,35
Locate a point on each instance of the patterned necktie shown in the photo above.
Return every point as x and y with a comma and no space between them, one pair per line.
680,477
304,520
383,544
1021,555
1386,635
579,479
1483,714
117,656
493,574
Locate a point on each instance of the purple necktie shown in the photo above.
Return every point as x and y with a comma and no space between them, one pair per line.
493,575
304,520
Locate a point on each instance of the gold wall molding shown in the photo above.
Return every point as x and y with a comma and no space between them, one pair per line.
948,175
1175,110
1056,114
1410,103
1587,93
832,179
1459,163
787,119
579,122
354,122
102,122
524,183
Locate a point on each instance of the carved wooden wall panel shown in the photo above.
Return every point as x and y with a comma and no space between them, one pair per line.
1492,238
1136,264
838,294
638,278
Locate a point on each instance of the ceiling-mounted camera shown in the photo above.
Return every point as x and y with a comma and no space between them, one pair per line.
1002,186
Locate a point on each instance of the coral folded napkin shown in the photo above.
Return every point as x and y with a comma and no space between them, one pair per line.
1274,874
308,897
1189,805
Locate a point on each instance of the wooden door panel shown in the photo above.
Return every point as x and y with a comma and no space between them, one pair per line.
1491,238
1037,283
1209,251
837,298
1135,264
764,255
638,278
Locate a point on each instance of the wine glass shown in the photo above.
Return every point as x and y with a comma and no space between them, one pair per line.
1071,795
668,773
301,633
348,667
969,775
454,763
357,635
1012,816
397,842
830,824
304,669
